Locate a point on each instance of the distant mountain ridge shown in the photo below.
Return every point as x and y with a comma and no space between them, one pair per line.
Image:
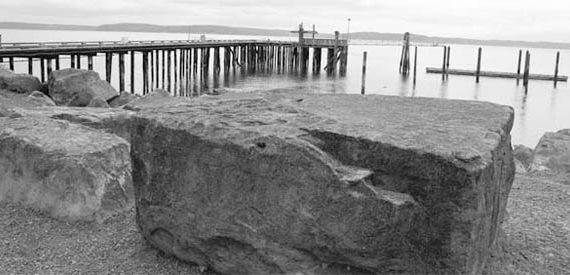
216,29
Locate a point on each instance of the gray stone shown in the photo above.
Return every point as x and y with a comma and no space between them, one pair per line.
75,87
98,102
122,99
18,83
41,99
69,171
286,183
523,156
155,98
552,154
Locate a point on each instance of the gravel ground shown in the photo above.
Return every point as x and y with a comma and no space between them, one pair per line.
536,239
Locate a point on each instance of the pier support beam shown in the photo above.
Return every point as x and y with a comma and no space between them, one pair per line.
121,72
108,66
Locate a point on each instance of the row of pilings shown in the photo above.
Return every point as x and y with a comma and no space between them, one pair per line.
180,68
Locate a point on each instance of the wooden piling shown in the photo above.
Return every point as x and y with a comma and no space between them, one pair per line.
72,61
108,66
121,72
163,68
405,55
175,68
156,69
11,61
556,69
363,86
79,61
57,62
90,62
168,70
478,72
519,67
444,62
42,70
30,66
133,72
336,51
415,63
447,62
153,76
195,62
317,54
145,73
49,66
526,70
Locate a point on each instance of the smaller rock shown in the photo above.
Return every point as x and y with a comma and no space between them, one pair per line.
98,102
149,99
552,154
74,87
18,83
40,99
523,157
122,99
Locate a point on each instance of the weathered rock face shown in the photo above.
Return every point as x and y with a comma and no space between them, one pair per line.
18,83
69,171
382,184
98,102
122,99
552,154
114,121
75,87
40,99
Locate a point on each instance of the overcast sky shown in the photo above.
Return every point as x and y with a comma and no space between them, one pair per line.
544,20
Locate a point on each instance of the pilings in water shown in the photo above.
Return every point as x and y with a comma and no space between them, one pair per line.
363,86
556,69
415,63
519,67
478,71
526,71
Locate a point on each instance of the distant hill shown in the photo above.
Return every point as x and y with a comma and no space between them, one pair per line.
214,29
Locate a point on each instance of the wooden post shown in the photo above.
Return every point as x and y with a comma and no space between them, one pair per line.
526,71
336,51
317,60
447,62
478,65
175,68
415,63
145,73
11,61
133,72
49,66
57,62
363,86
168,70
519,67
556,69
30,66
195,61
153,77
444,62
42,69
216,60
90,62
163,68
121,72
108,66
72,60
78,61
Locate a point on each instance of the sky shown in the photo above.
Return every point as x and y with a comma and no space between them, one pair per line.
544,20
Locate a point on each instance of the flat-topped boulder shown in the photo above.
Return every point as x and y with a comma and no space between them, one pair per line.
284,183
76,87
18,83
69,171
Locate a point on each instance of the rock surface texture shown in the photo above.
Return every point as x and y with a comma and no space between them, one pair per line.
75,87
285,183
18,83
68,171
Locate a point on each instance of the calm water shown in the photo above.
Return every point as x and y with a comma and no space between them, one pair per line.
542,109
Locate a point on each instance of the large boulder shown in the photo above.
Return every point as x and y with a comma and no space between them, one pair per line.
75,87
69,171
18,83
552,154
291,183
29,100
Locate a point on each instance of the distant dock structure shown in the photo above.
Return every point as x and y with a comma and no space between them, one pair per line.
174,64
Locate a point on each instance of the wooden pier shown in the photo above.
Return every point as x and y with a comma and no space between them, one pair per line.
174,64
496,74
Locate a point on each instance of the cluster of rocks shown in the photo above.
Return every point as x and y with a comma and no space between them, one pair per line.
271,182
